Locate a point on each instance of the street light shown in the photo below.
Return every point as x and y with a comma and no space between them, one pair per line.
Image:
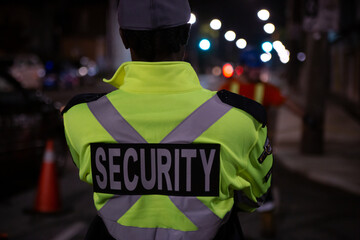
230,36
192,18
215,24
204,44
216,71
278,46
263,14
267,47
284,59
284,56
241,43
265,57
228,70
269,28
301,56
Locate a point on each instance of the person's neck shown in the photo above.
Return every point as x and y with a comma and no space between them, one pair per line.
178,56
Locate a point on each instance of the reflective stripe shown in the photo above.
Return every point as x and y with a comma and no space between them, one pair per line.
113,122
235,87
122,133
198,121
206,228
117,206
198,213
186,132
127,232
259,92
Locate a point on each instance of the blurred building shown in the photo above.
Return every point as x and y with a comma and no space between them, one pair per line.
61,30
340,22
64,30
345,58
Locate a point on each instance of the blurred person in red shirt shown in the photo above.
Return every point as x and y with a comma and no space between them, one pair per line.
247,81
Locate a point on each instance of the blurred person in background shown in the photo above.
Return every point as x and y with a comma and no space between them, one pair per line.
249,84
29,71
167,158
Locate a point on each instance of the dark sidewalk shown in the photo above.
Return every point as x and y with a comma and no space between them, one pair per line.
308,210
317,197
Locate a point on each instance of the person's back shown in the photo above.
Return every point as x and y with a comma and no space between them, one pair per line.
167,158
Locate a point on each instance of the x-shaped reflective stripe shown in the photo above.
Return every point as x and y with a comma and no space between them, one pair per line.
186,132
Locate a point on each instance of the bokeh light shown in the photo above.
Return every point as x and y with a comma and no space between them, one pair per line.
230,36
267,47
216,71
205,44
263,14
228,70
301,56
265,57
192,19
269,28
241,43
215,24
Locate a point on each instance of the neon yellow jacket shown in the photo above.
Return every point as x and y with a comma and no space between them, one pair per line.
154,98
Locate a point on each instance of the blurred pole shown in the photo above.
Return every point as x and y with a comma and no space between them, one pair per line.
320,17
295,37
317,86
116,53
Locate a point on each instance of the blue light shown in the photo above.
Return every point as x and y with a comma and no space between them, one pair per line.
204,44
267,46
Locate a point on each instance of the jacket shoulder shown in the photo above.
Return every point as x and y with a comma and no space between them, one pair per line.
82,98
250,106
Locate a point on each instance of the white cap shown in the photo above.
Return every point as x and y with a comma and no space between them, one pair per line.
153,14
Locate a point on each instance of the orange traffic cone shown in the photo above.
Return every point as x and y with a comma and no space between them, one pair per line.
48,198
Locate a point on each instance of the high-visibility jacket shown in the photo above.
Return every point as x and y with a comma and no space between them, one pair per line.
202,150
263,93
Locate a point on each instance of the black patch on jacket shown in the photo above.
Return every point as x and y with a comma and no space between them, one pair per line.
165,169
250,106
82,98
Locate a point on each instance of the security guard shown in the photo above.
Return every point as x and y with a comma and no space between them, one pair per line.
167,159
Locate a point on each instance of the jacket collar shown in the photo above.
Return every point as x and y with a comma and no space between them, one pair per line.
155,77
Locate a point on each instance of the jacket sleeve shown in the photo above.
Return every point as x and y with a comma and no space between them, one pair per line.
258,174
74,115
73,152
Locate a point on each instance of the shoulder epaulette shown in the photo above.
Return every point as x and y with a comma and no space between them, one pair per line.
250,106
82,98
